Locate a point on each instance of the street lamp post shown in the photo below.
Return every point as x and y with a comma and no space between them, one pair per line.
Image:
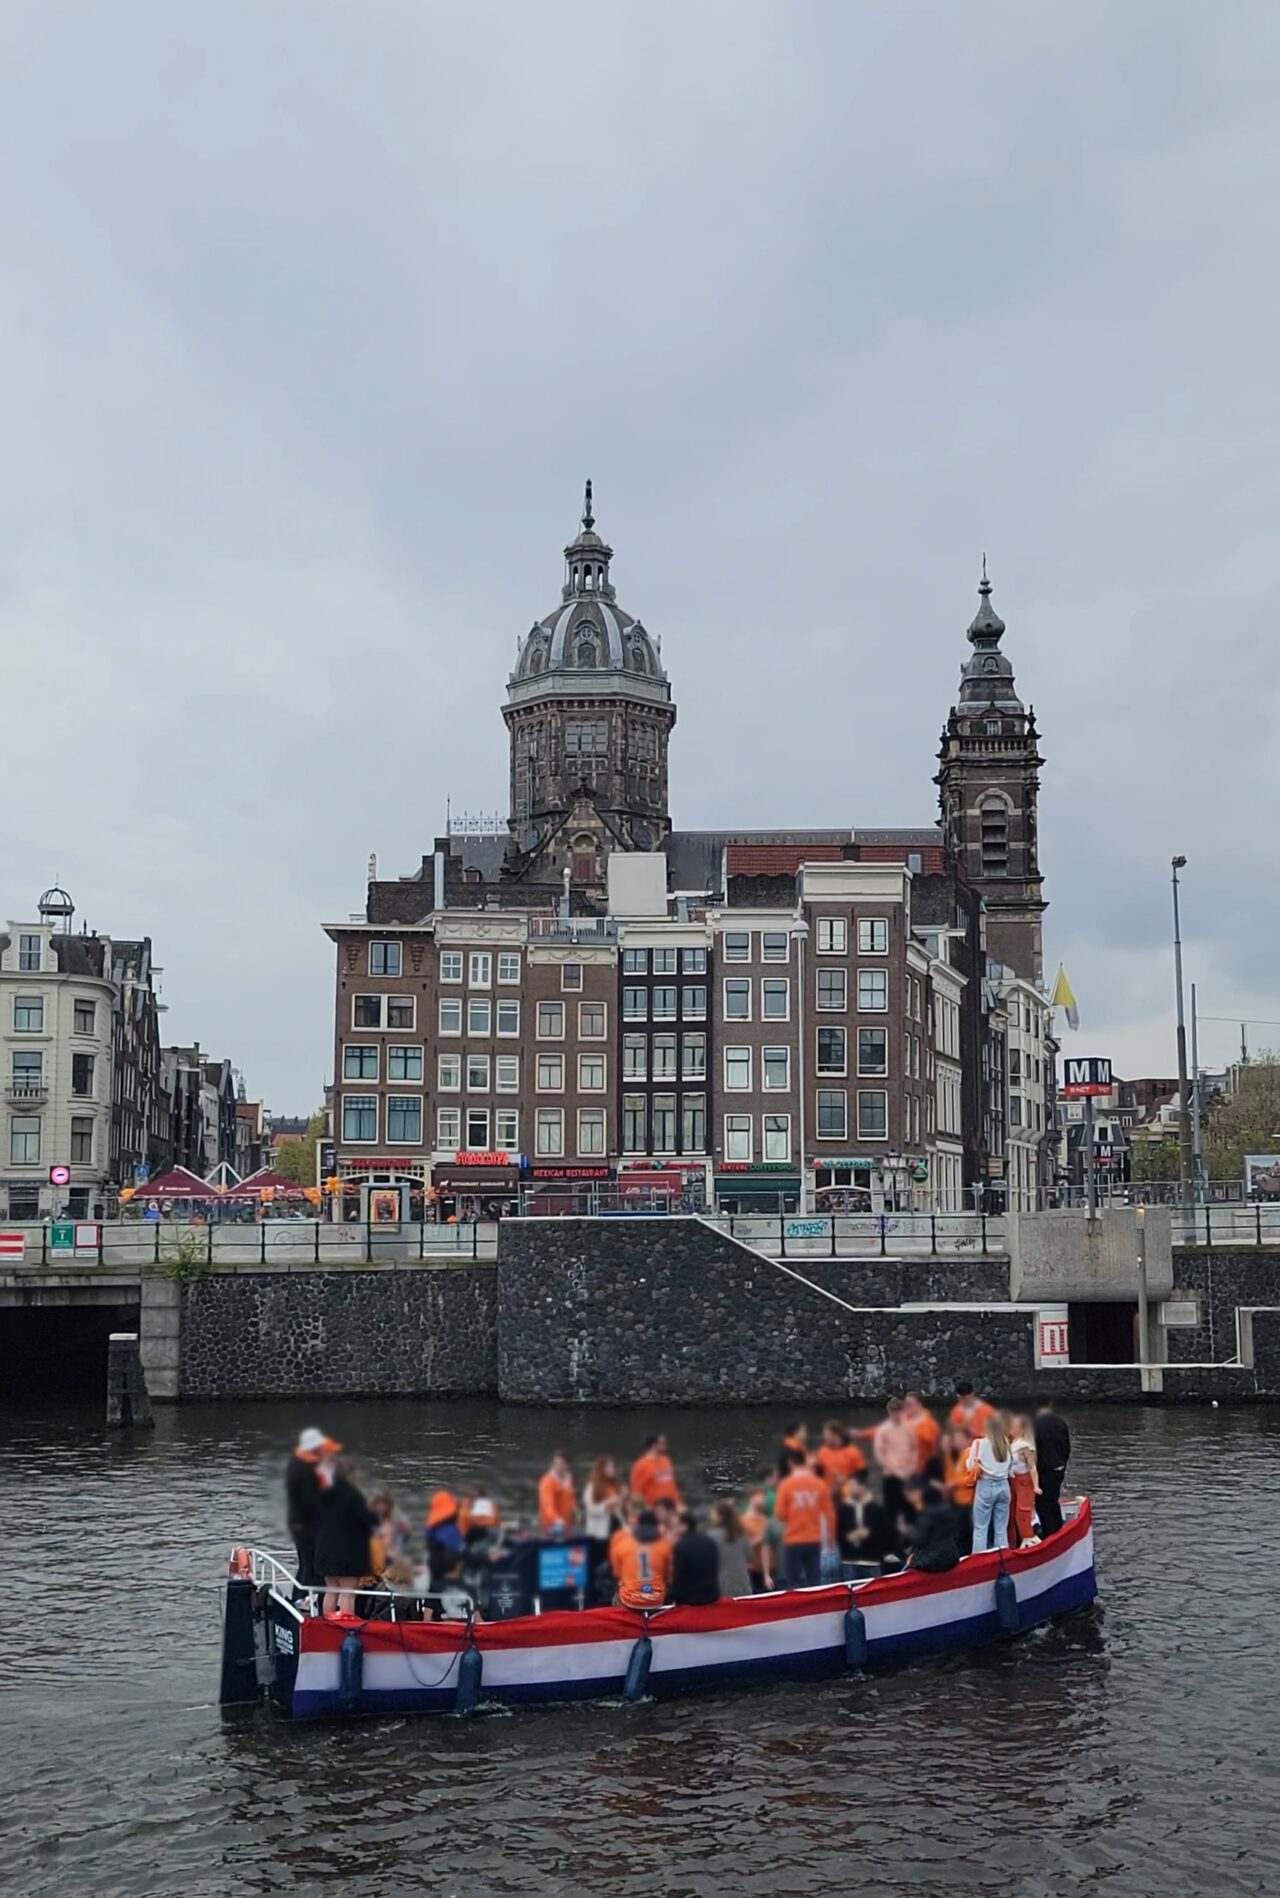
1184,1097
800,934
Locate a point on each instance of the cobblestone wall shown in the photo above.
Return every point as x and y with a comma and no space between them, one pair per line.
637,1311
426,1330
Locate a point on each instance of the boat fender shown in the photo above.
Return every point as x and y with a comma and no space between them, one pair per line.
1006,1604
241,1564
638,1666
350,1672
466,1697
855,1637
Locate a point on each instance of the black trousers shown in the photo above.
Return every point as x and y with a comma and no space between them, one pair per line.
305,1549
802,1564
1047,1505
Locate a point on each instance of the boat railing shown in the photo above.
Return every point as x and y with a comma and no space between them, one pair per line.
269,1571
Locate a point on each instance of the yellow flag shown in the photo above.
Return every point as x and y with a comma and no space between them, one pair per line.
1063,997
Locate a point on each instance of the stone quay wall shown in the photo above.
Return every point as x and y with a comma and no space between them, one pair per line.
422,1331
641,1311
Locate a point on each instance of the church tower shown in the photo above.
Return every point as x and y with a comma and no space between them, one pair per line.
589,711
989,783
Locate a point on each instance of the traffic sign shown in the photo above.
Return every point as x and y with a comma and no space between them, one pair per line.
59,1176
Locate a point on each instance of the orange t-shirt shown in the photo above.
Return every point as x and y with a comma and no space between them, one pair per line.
803,1506
928,1435
643,1569
837,1463
555,1502
653,1480
960,1481
974,1420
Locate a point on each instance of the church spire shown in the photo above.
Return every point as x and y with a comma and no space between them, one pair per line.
987,678
588,518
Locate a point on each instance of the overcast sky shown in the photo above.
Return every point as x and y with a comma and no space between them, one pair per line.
317,312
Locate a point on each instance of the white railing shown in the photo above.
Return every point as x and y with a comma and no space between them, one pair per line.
865,1235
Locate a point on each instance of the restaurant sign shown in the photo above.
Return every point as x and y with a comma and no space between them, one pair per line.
572,1173
469,1158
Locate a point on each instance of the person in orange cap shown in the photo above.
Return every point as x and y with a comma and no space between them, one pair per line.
308,1473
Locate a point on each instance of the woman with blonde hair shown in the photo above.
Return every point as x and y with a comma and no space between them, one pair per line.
1024,1484
603,1508
990,1462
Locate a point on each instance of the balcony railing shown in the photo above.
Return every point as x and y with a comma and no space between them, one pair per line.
28,1091
574,928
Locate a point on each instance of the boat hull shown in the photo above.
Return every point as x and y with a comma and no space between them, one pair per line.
414,1667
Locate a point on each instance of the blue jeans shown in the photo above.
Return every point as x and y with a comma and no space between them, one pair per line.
991,1510
802,1564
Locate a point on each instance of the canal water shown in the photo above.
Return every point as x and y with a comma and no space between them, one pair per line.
1130,1754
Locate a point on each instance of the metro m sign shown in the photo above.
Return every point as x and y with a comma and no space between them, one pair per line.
1083,1076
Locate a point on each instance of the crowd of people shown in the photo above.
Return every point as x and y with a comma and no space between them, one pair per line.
909,1491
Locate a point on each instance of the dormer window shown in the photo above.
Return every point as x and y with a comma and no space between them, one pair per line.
586,651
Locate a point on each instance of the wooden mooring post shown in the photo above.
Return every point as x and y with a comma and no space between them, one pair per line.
128,1405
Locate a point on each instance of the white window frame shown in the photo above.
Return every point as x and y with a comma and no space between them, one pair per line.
869,1094
480,969
386,947
449,1074
780,1131
508,1008
738,1065
664,961
691,1010
451,965
775,1087
394,1002
550,1012
633,1105
479,1074
592,1087
598,1120
373,1027
360,1048
404,1140
508,965
593,1034
775,981
635,1057
635,962
738,1142
548,1136
478,1142
840,977
840,1093
666,1046
867,927
833,1028
24,1127
552,1064
479,1016
83,1002
506,1073
660,1010
404,1048
870,977
448,1129
744,982
833,935
506,1129
363,1101
635,1003
568,972
689,1105
735,945
780,951
666,1104
689,1043
693,962
884,1035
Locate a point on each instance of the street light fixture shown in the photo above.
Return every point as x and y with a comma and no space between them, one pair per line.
1184,1098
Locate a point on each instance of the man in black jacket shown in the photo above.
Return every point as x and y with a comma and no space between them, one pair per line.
303,1482
695,1566
934,1546
1053,1453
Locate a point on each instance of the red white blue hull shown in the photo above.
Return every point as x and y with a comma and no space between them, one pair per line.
413,1667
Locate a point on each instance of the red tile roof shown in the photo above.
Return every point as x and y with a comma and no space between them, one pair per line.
776,860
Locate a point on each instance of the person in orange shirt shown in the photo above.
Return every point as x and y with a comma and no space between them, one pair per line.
555,1497
641,1558
928,1434
970,1412
837,1457
804,1508
959,1482
653,1478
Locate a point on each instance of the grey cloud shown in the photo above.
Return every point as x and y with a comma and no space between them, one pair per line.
315,317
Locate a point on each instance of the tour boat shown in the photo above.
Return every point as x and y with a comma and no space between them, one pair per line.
316,1667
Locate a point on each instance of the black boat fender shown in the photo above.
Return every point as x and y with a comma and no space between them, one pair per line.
637,1682
1006,1602
351,1672
466,1695
855,1637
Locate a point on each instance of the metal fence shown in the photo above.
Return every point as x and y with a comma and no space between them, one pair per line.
862,1235
1255,1223
285,1245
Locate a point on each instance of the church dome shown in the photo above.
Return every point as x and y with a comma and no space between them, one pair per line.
588,634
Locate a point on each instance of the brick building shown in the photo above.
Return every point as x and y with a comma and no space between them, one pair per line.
588,1000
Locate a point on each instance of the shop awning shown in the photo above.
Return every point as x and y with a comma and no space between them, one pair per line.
177,1183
